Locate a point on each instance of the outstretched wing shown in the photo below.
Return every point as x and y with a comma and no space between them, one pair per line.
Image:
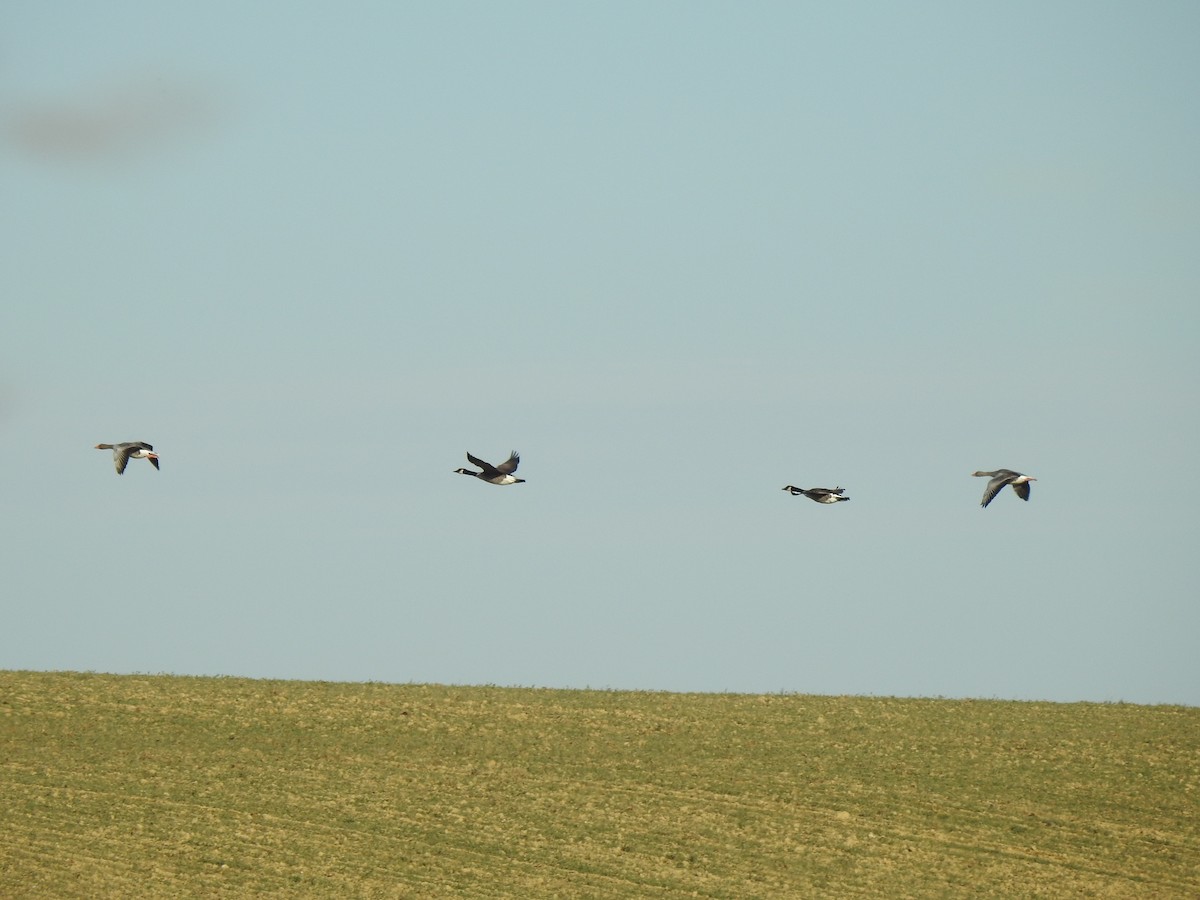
121,458
153,461
1022,490
994,487
509,465
488,468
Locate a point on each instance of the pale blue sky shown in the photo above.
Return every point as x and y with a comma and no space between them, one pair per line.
678,255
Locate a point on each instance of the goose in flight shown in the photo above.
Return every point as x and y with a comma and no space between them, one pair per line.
501,474
1001,477
127,450
821,495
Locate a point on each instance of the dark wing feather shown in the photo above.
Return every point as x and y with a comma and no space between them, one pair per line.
488,468
1022,490
509,465
121,459
153,461
995,486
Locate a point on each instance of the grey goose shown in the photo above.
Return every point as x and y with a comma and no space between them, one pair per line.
127,450
501,474
1001,477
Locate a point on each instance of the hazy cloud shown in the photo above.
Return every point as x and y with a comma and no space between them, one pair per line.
110,123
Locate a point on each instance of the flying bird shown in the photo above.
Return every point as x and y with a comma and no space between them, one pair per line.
821,495
501,474
127,450
1001,477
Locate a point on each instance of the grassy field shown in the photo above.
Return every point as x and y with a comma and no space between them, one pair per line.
160,786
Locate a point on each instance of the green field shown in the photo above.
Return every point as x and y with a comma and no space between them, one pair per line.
162,786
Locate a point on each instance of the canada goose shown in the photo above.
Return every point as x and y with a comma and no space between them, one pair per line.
127,450
501,474
1001,477
821,495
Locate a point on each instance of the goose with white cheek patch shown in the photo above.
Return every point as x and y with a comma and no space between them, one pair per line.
501,474
821,495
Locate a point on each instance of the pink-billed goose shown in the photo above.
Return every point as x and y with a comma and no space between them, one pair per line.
821,495
501,474
127,450
1001,477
